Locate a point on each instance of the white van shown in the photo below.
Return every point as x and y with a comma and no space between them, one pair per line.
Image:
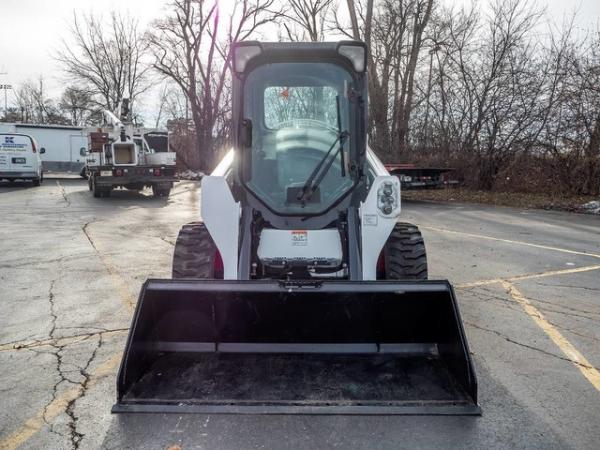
20,158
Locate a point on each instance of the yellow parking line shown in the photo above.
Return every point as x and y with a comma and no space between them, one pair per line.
584,366
550,273
510,241
56,407
61,402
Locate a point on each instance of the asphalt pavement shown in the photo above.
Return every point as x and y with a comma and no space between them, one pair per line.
528,285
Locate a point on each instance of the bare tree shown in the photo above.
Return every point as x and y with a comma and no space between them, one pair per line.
483,92
485,89
393,30
79,107
34,104
408,52
571,136
587,75
188,50
310,17
380,37
106,59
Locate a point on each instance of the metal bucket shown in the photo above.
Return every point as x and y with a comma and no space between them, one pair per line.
266,347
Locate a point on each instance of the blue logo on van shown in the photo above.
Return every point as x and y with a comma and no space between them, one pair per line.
10,144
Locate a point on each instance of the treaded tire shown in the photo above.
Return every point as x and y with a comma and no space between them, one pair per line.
160,191
40,180
100,192
404,254
195,252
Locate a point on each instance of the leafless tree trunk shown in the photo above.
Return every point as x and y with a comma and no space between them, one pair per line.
35,106
188,50
421,12
309,16
362,27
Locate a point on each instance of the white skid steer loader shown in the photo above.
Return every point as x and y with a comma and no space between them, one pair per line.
299,291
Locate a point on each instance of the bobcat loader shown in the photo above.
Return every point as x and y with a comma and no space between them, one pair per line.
300,291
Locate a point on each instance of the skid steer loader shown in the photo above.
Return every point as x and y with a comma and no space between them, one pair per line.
299,291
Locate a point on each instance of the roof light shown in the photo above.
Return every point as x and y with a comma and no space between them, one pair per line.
243,54
355,53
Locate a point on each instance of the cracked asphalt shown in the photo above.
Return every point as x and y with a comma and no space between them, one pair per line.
528,284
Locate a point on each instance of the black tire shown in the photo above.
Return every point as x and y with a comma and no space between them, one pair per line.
37,181
95,189
195,252
404,254
99,192
160,191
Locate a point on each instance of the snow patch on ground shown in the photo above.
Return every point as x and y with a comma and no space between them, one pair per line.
592,207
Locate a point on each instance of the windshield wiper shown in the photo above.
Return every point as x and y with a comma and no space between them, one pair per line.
317,175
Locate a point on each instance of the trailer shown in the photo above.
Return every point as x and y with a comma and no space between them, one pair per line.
414,177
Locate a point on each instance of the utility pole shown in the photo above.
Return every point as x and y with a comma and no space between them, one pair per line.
5,87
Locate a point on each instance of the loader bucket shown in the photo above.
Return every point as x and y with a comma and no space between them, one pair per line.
265,347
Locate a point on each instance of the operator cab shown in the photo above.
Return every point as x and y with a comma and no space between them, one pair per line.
300,114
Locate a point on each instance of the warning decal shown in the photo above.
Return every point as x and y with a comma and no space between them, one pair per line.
299,238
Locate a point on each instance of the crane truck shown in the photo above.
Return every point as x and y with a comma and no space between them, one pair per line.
121,156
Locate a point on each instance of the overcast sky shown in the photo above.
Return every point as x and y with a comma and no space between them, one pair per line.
32,30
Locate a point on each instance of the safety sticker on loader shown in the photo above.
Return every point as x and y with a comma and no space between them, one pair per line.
370,220
299,238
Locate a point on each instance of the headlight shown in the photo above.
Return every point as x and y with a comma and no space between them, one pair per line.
355,53
387,198
244,53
